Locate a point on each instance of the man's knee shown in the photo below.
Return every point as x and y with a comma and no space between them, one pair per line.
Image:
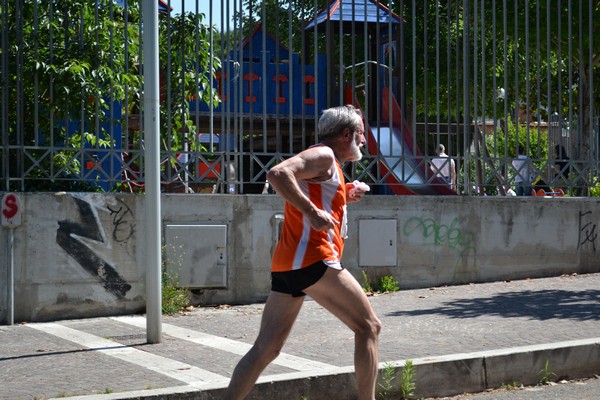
369,327
268,351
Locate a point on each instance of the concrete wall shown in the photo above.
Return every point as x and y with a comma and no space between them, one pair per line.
81,254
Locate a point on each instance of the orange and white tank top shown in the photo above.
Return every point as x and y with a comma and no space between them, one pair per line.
299,245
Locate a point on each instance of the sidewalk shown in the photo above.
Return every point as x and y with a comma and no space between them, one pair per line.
460,339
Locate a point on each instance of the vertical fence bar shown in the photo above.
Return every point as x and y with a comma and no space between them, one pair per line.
20,131
527,82
466,94
594,117
4,107
474,120
291,78
538,103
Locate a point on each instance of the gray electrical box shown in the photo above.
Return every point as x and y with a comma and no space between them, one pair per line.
197,254
377,243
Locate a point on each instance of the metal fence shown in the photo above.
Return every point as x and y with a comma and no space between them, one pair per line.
243,83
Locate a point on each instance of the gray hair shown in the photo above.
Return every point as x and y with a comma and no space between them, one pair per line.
334,120
441,148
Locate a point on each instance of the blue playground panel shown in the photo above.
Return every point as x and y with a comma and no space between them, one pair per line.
276,99
269,94
101,164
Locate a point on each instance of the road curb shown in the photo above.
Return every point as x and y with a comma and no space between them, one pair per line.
438,376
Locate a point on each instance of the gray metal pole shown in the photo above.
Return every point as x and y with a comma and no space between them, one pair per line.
152,172
10,317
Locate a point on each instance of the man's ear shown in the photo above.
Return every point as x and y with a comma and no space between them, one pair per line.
347,134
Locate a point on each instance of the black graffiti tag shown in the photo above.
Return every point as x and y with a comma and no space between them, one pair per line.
67,237
123,228
587,230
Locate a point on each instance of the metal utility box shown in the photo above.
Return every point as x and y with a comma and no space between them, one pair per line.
197,254
377,243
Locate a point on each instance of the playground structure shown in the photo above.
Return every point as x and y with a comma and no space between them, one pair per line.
273,88
276,97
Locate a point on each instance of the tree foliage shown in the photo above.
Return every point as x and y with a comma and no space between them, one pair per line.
185,55
542,55
66,59
72,67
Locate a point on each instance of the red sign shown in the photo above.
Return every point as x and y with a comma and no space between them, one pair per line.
11,210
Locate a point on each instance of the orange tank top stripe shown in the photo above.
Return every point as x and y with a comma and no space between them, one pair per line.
300,246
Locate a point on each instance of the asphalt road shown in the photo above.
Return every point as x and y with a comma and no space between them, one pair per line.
587,389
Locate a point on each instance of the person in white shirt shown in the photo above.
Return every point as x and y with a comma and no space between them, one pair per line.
524,173
444,167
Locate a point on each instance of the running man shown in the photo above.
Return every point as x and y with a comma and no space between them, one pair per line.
307,259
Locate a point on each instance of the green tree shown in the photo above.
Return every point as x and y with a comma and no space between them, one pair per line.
185,59
71,65
64,63
543,55
279,16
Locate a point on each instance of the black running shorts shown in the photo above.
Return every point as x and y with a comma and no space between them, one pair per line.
294,282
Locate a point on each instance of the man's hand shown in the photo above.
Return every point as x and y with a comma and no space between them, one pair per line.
356,190
321,220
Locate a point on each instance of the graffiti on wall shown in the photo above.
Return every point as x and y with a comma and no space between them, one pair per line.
72,235
588,233
437,234
123,225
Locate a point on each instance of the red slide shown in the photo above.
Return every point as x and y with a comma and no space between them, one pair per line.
403,166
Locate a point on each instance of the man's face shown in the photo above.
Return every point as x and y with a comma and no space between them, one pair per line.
358,142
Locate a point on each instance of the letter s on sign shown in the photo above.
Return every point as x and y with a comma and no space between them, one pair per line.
11,210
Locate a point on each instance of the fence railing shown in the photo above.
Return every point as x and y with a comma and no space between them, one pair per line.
243,84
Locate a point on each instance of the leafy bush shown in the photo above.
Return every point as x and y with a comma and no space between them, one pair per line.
388,284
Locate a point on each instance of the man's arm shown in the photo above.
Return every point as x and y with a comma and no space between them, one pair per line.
316,164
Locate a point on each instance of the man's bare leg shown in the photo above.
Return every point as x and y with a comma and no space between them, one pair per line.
339,293
278,317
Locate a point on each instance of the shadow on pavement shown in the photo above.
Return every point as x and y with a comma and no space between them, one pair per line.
541,305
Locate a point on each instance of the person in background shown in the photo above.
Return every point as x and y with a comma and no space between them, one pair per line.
524,173
307,258
561,168
444,167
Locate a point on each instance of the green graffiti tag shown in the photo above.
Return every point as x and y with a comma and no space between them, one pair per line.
440,234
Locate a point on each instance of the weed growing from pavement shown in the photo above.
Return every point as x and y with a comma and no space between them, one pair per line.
388,284
366,283
174,297
547,376
513,385
407,383
385,285
387,380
